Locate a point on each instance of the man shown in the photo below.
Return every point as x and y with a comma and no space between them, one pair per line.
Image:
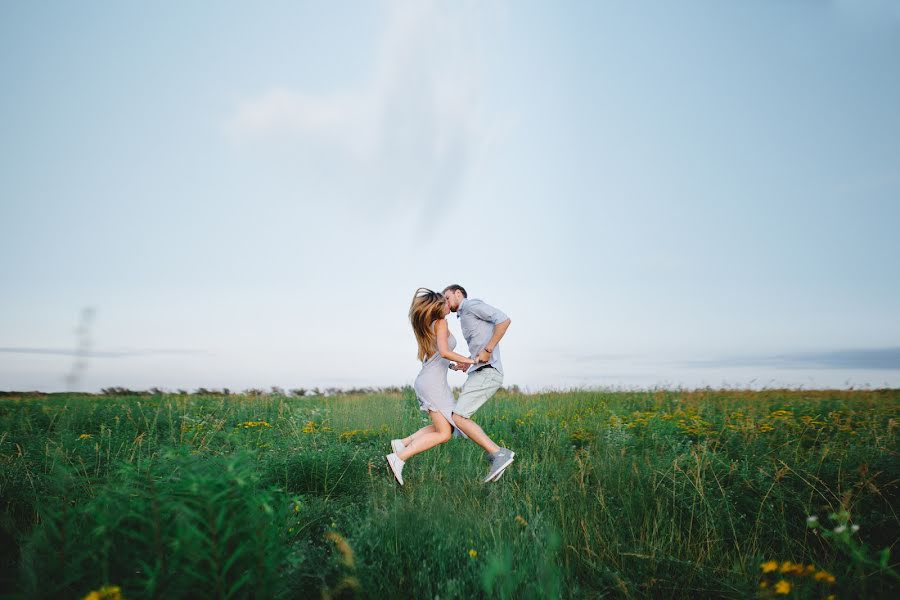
483,326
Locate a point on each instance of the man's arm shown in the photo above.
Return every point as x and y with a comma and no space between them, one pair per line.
501,323
499,331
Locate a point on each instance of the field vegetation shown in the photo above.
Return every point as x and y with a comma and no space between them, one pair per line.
638,494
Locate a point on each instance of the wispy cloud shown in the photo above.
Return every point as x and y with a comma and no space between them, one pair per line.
865,358
124,353
607,357
415,128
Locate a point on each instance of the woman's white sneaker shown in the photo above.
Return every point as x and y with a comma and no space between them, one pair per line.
396,466
397,446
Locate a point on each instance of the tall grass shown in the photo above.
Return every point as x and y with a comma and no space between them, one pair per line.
621,494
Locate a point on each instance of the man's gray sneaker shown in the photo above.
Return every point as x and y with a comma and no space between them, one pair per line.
499,460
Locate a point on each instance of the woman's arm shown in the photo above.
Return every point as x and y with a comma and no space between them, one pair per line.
443,333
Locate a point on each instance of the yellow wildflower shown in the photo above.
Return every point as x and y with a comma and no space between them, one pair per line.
783,587
473,553
107,592
85,436
349,435
824,576
789,567
769,566
521,521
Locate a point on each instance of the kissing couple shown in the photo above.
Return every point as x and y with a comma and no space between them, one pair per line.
483,326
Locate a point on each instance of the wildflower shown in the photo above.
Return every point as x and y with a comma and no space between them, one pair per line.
769,566
854,528
107,592
349,435
85,436
473,554
783,587
824,576
521,521
786,567
840,529
812,521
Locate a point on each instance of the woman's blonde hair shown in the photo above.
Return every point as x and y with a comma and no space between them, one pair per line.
427,307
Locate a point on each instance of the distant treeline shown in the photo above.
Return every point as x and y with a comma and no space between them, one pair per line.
272,391
202,391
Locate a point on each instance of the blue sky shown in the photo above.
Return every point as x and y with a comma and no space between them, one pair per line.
692,193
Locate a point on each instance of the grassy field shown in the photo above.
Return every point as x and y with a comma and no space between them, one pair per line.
655,494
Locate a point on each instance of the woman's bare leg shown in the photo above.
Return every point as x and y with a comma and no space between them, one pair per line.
443,431
427,429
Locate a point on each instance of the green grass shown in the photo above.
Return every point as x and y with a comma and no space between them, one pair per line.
655,494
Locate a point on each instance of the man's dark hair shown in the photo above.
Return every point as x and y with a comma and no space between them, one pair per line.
454,287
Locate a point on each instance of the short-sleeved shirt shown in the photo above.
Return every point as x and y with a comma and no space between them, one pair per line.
477,320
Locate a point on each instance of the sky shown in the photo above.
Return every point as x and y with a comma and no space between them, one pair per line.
247,195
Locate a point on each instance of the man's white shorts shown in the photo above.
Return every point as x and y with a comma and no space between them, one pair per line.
478,389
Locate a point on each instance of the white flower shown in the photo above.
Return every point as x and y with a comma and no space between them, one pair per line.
840,529
812,520
854,528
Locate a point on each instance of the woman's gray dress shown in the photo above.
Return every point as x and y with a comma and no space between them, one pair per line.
432,390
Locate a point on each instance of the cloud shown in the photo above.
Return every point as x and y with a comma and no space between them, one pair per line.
865,358
414,129
606,357
100,353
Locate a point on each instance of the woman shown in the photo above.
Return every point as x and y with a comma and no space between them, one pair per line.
426,314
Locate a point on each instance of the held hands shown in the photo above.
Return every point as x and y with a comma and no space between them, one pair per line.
463,367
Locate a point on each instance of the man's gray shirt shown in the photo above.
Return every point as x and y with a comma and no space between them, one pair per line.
477,320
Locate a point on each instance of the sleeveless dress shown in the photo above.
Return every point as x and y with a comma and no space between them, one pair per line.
432,390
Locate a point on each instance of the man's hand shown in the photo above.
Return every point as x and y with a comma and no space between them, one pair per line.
460,367
483,357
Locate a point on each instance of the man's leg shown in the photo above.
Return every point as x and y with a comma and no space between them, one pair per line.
475,433
478,389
